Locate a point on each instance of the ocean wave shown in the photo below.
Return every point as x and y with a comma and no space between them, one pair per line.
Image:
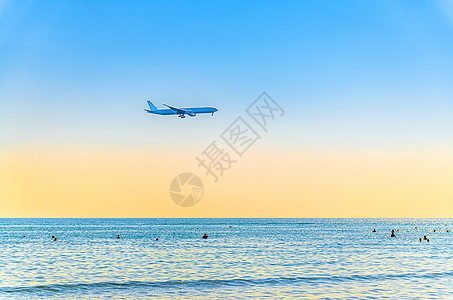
207,283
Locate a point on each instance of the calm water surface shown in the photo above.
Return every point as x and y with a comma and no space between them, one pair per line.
255,258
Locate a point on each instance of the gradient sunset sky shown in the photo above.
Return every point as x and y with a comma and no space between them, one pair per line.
367,87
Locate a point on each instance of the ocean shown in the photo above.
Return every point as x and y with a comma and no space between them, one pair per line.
254,258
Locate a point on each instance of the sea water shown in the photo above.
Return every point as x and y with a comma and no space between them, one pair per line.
254,258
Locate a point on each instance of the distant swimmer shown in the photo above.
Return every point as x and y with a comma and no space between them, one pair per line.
118,236
425,238
393,234
374,230
434,230
230,226
24,235
157,239
420,240
205,236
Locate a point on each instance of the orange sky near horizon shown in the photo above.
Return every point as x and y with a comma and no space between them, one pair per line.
68,182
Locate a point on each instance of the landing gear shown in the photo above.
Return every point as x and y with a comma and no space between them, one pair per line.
182,116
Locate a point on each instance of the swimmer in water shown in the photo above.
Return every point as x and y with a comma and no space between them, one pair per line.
205,236
393,234
118,236
157,239
374,230
425,238
420,240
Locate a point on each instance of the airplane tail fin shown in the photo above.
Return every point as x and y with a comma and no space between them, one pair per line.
152,107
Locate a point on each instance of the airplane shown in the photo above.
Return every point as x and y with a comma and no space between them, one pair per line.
181,112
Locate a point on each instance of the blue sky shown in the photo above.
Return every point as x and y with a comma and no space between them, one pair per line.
351,74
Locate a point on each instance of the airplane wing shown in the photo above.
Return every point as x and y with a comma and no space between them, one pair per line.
178,110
